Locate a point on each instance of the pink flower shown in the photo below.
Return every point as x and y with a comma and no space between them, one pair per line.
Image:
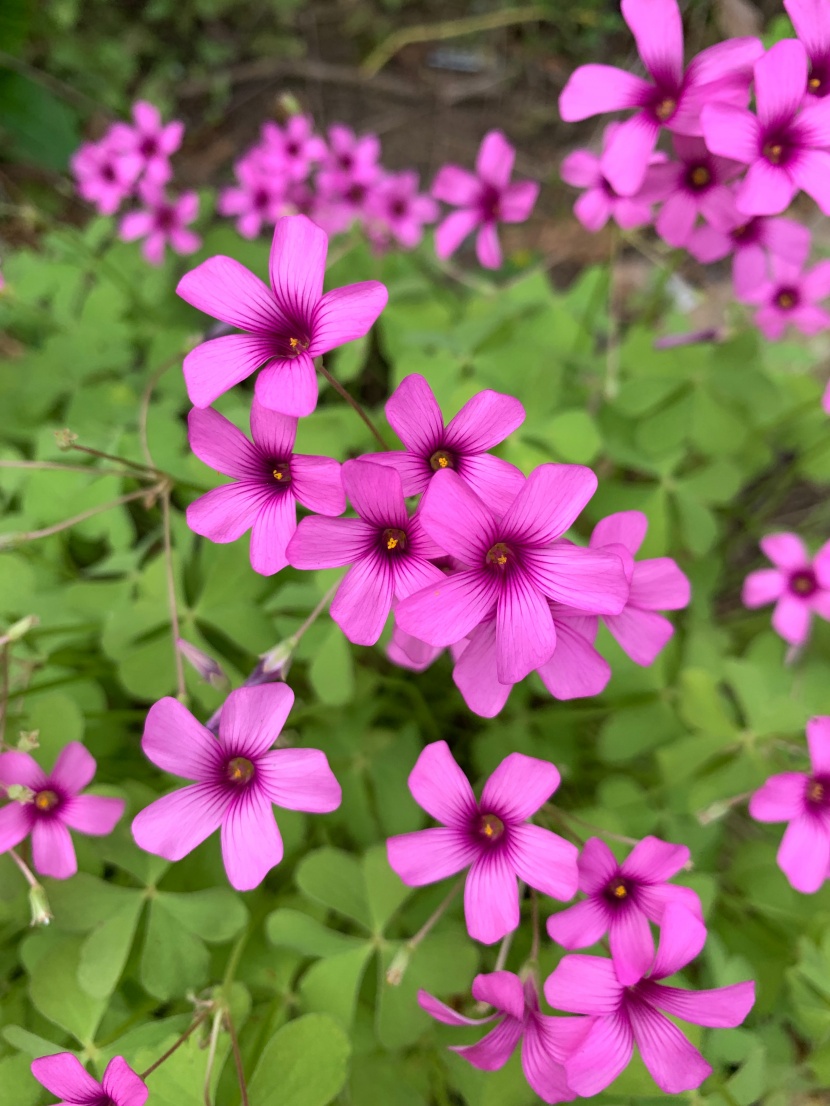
258,199
270,479
803,801
576,670
491,837
388,551
790,297
484,421
623,1016
749,239
812,25
238,779
798,585
622,899
105,175
64,1076
57,807
512,566
407,651
546,1041
162,223
672,97
784,147
692,186
399,210
655,585
599,202
484,198
150,140
348,177
286,326
294,146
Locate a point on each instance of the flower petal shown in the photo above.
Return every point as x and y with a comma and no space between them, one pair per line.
74,768
252,719
175,742
491,898
273,528
579,926
676,219
632,946
720,1008
415,416
63,1075
484,421
495,1048
123,1086
597,865
627,528
317,483
429,855
345,314
518,787
518,200
456,186
804,853
15,823
443,1013
591,580
20,768
780,799
440,787
682,936
544,860
544,1048
765,190
576,670
525,633
299,779
763,587
629,152
810,173
364,599
329,542
605,1052
213,368
452,231
226,290
175,824
457,519
658,32
581,169
494,161
780,82
674,1063
220,444
288,385
654,861
791,619
596,89
273,432
475,673
584,985
225,513
640,634
251,842
297,266
731,132
818,741
552,498
488,247
52,850
92,814
502,990
376,493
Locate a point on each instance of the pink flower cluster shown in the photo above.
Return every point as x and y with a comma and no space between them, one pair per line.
621,1000
733,171
132,161
798,585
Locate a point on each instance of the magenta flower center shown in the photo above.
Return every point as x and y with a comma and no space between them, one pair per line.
787,298
149,147
239,771
746,233
698,177
356,194
296,345
490,827
46,801
394,540
818,82
292,149
108,173
490,204
260,199
499,555
617,891
441,459
664,108
345,161
398,208
817,791
281,472
166,217
779,146
803,583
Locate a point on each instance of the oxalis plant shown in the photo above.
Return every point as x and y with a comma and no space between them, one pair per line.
520,759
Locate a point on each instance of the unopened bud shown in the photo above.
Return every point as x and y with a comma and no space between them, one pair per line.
65,439
28,741
288,105
19,793
714,813
274,664
209,669
20,628
39,906
397,969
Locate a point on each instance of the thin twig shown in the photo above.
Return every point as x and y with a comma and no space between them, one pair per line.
353,403
211,1057
451,28
149,471
413,943
504,950
178,1044
237,1058
315,614
24,868
56,466
7,540
171,594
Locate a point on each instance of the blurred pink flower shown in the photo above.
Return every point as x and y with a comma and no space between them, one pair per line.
257,199
56,807
239,778
150,140
599,202
491,837
804,801
398,211
811,19
269,480
163,223
462,445
622,1016
546,1041
694,185
672,96
286,326
388,551
798,585
784,146
622,900
790,297
511,566
63,1075
106,176
294,146
654,585
484,198
348,176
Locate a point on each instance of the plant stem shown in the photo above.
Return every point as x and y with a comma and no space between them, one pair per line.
534,917
24,868
237,1058
56,466
315,614
211,1058
149,471
353,403
34,535
612,349
504,951
177,1044
439,911
181,689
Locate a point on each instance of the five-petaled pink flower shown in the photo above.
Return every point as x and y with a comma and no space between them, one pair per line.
293,147
804,801
56,806
654,585
150,140
672,97
811,19
270,480
785,145
484,421
512,566
622,899
798,585
399,211
485,199
749,239
491,837
546,1041
106,175
286,325
623,1016
599,202
695,184
790,297
63,1075
239,778
389,553
257,199
163,223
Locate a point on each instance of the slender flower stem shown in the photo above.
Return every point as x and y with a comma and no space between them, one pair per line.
28,875
597,829
171,595
150,471
56,466
4,692
400,962
353,403
176,1045
504,950
47,532
315,614
534,917
211,1058
237,1058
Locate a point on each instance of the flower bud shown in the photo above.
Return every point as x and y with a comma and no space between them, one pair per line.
28,741
400,962
209,669
19,793
274,664
39,906
65,438
20,628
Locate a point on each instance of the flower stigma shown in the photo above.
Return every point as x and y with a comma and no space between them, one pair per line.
498,555
394,539
490,826
441,459
239,770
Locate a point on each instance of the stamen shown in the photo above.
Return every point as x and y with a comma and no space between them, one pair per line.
618,889
665,109
803,583
814,84
700,176
394,540
240,771
46,800
815,791
293,342
441,459
774,152
785,300
499,555
491,827
282,473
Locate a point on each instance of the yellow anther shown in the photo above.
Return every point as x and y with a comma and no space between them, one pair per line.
815,792
701,176
293,342
665,109
491,827
814,83
46,800
391,543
